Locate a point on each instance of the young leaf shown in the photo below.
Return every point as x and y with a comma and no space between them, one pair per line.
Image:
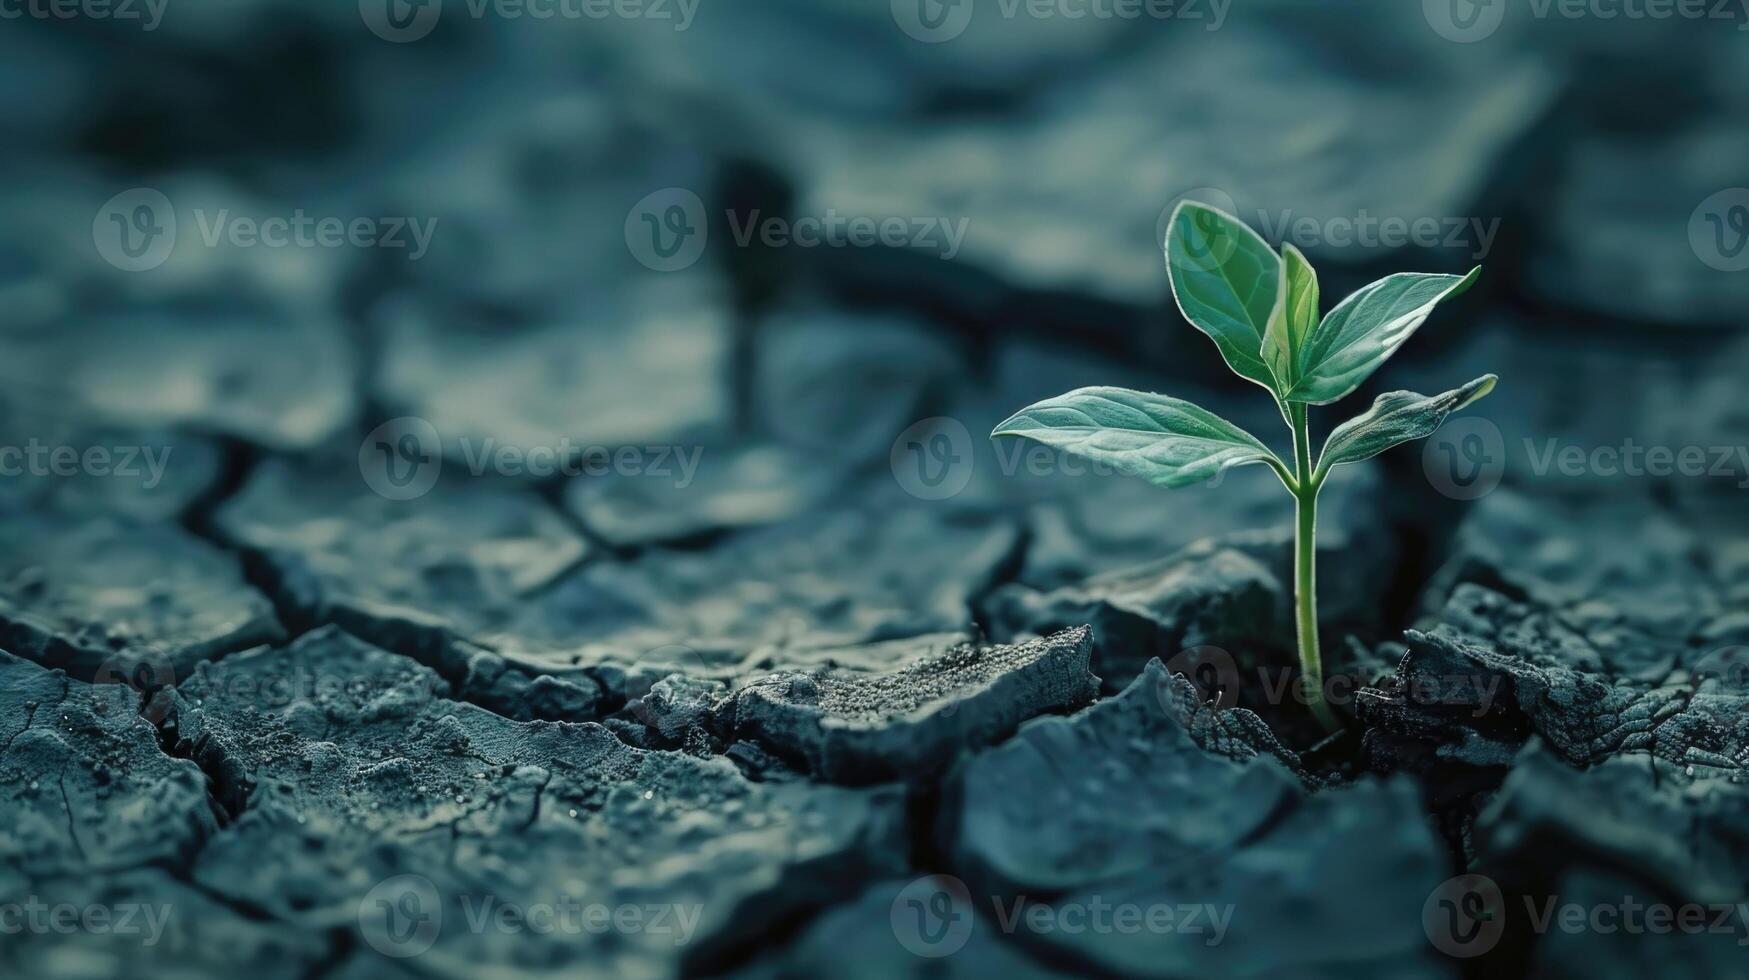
1166,441
1397,417
1287,332
1227,282
1365,329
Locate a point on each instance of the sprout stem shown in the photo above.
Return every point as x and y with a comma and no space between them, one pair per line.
1305,567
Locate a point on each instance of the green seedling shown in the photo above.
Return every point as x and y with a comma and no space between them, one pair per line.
1261,310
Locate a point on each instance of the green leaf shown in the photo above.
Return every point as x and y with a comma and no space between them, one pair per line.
1167,441
1396,417
1367,328
1289,328
1227,282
